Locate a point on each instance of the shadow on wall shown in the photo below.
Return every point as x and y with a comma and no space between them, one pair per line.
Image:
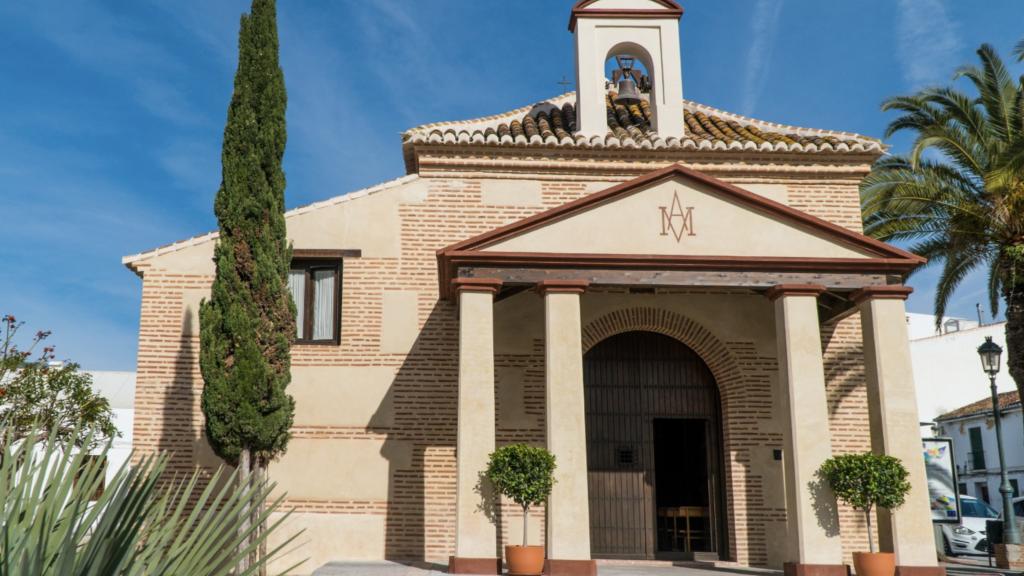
847,404
179,427
844,365
182,436
418,417
824,503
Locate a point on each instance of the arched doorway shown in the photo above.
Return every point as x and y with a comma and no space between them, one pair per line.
654,458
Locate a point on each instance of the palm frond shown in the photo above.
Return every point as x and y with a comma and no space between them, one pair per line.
995,284
995,89
931,193
957,107
958,264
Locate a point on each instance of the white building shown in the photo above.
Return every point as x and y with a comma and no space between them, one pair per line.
947,370
953,392
975,451
119,389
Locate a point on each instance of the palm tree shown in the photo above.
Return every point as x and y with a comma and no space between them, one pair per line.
958,196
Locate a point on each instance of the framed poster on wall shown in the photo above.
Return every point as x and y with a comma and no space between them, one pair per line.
942,483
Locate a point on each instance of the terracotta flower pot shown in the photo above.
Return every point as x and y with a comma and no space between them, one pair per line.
525,560
874,563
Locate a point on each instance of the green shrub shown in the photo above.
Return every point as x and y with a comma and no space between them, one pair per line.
865,481
524,474
41,396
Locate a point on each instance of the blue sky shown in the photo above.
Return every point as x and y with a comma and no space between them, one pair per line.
111,113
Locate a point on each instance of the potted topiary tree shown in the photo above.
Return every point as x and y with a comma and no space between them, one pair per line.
866,481
525,475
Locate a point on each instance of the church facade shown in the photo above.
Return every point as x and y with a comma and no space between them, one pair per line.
675,300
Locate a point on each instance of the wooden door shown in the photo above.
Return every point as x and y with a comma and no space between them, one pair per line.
630,380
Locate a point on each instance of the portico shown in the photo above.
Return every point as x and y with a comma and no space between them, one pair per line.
783,280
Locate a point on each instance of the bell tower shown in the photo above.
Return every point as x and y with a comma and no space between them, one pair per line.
644,30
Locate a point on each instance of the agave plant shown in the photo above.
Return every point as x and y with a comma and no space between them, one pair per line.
55,520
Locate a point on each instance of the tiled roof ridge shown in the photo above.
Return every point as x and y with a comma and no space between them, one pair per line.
688,104
509,115
1007,401
133,259
708,127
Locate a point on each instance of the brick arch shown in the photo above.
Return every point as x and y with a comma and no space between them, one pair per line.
732,385
724,367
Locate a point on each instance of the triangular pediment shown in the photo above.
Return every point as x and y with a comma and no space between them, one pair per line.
678,212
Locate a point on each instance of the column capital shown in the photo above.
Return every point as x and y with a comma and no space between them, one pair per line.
780,290
562,287
489,285
894,292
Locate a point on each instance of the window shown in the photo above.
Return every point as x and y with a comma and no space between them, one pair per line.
315,284
977,509
1015,487
962,489
981,490
976,458
625,457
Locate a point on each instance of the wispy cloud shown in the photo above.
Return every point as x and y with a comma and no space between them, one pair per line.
764,28
407,53
206,21
928,41
109,44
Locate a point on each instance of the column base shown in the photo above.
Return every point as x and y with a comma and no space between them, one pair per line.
798,569
570,568
1009,556
474,565
920,571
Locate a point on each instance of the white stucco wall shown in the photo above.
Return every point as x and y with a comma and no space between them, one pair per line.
948,375
119,389
1013,444
947,370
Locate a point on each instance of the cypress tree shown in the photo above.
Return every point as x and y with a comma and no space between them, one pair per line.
247,325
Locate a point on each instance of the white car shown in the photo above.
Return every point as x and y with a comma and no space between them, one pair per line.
968,537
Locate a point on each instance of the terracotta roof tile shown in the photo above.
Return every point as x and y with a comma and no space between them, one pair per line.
1007,400
553,123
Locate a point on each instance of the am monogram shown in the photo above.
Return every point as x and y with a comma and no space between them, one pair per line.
676,220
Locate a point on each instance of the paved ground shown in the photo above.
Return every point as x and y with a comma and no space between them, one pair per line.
375,569
651,569
648,569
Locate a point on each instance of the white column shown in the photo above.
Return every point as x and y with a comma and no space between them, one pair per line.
568,525
892,406
475,530
813,524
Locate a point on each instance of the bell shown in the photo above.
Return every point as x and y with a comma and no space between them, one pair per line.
628,94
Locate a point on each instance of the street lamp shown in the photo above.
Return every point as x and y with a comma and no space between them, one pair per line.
991,358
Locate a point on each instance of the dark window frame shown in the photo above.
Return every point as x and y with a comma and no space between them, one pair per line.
308,261
981,488
977,454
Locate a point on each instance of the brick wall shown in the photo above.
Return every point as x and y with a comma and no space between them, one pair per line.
420,507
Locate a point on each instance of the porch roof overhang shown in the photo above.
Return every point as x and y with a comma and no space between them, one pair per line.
484,255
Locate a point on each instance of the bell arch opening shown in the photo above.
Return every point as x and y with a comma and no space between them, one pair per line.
654,450
630,62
